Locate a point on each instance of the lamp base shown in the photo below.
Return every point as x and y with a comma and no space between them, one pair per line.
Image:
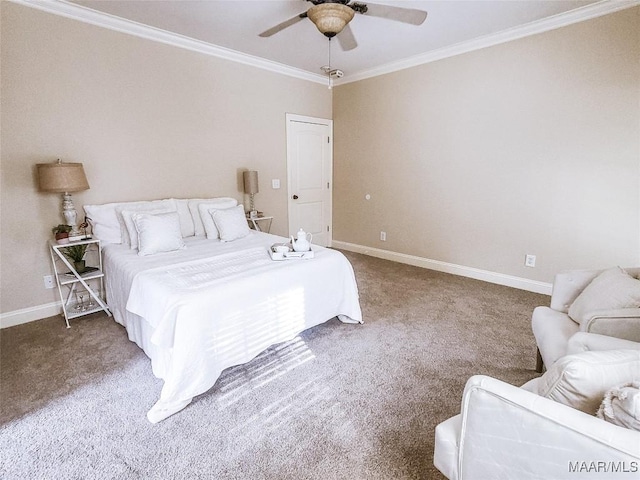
70,215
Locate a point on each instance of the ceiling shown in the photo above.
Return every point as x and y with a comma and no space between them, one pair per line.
383,45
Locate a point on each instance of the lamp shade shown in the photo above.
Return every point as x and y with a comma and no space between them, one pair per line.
61,177
250,178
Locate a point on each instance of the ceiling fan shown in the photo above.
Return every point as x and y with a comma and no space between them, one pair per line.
332,17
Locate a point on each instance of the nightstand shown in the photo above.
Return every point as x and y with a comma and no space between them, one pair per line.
84,292
261,224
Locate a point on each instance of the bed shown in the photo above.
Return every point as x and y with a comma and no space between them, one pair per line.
211,304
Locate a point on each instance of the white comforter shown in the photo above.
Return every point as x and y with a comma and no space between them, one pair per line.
212,305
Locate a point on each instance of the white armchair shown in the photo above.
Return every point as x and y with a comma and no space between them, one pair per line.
553,328
506,432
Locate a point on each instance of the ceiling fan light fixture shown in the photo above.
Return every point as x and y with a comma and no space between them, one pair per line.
330,18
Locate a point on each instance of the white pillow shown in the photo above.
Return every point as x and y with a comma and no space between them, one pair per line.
205,210
132,231
126,224
231,223
187,228
158,232
221,202
621,406
581,380
610,290
104,222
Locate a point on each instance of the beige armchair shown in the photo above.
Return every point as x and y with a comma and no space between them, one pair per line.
554,327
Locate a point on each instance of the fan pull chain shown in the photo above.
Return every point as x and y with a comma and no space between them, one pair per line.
329,73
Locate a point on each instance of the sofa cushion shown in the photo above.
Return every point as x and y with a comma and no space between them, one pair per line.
612,289
581,380
621,406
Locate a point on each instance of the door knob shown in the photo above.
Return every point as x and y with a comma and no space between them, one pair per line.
295,197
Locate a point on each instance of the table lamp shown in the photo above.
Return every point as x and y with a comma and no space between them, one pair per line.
250,178
63,178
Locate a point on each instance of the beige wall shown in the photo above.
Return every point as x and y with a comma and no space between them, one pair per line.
147,120
526,147
532,146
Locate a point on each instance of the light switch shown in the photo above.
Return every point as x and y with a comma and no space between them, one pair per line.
275,183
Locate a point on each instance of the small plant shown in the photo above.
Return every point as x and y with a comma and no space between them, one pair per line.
75,253
61,233
61,229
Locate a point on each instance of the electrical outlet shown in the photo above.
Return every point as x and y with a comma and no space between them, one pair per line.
530,261
48,281
383,236
275,183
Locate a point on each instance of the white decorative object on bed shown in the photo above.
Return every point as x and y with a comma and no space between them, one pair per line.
187,227
214,304
158,233
198,214
230,222
125,210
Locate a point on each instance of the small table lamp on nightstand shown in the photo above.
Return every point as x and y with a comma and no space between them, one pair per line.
63,178
250,178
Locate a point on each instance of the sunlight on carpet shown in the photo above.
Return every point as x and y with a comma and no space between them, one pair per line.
239,381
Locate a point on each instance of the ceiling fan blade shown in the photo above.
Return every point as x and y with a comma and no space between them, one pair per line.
283,25
346,39
399,14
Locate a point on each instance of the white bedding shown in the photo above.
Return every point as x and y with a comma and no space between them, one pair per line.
213,305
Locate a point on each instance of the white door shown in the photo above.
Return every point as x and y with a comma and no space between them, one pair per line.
309,167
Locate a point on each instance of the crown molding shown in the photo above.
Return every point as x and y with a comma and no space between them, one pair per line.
581,14
83,14
105,20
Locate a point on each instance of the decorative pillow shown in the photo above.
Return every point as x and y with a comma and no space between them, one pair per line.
104,222
209,225
581,380
187,228
127,217
158,232
231,223
621,406
127,225
194,203
612,289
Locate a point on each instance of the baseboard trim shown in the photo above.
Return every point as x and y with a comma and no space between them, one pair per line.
31,314
470,272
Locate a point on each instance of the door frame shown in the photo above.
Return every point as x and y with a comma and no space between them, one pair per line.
290,118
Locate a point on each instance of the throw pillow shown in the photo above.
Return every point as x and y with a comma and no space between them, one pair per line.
131,228
231,223
209,225
621,406
126,225
158,233
581,380
612,289
219,202
187,227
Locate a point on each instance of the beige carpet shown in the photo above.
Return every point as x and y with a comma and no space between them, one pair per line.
339,402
